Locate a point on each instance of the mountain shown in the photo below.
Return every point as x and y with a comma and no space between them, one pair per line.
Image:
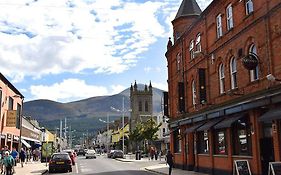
84,114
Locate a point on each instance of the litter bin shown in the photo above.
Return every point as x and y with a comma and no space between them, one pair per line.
138,155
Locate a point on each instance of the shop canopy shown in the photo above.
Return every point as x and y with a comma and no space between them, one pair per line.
272,114
193,128
25,143
208,125
227,122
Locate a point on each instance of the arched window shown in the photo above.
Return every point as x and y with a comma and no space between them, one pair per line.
249,6
191,49
233,73
193,88
254,74
178,61
140,106
146,106
198,42
229,17
222,78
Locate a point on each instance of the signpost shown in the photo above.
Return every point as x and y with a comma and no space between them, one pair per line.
241,167
274,168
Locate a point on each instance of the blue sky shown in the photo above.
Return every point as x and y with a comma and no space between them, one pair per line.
67,50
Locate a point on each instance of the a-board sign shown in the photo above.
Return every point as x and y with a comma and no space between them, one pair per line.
242,167
274,168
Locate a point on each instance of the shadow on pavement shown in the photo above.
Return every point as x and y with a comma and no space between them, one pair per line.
128,172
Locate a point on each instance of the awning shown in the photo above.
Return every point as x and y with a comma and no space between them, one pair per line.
25,143
227,122
193,128
209,124
272,114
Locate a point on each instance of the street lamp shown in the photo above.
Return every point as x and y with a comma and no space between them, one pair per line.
107,126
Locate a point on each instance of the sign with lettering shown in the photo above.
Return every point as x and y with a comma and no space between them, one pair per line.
11,118
274,168
242,167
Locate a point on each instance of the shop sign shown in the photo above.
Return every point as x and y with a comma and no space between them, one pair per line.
250,62
242,167
9,136
11,118
274,168
16,138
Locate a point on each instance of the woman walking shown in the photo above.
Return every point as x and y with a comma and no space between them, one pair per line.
22,156
8,162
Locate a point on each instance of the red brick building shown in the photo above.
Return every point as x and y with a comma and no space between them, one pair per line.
224,91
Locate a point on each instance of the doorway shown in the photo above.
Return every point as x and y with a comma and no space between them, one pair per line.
266,146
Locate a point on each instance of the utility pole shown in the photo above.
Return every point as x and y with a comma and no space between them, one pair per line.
107,139
65,129
123,111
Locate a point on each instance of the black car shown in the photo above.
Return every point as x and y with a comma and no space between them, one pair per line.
60,162
81,152
117,154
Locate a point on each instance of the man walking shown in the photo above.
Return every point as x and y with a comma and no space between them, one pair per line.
170,161
22,156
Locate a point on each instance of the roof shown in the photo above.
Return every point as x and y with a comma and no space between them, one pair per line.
188,8
10,85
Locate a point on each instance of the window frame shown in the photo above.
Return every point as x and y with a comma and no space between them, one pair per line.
140,106
229,17
191,49
254,74
146,106
233,73
198,47
219,25
249,5
217,142
179,62
11,103
177,141
193,91
19,111
222,78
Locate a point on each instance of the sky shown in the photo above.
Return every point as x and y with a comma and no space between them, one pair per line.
68,50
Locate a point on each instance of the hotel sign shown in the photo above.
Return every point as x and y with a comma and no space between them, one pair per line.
11,118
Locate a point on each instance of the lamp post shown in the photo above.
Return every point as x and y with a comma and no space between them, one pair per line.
107,127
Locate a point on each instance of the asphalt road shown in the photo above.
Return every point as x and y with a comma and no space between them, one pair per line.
105,166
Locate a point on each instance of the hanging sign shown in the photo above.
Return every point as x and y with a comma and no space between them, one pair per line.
242,167
274,168
11,118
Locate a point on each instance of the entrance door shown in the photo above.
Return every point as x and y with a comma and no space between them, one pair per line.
267,149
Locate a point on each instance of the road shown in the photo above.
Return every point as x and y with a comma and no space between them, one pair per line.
105,166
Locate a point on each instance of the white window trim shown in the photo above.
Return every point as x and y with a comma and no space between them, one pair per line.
193,88
222,78
233,72
198,42
229,17
254,74
191,49
219,26
178,61
249,5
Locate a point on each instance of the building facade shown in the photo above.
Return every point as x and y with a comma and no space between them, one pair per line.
11,102
224,92
31,134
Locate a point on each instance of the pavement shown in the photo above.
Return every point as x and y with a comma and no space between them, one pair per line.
31,168
159,168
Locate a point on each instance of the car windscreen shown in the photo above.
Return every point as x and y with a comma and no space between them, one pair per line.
60,156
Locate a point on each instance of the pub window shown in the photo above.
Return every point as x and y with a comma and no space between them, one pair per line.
219,26
203,142
18,116
241,132
178,61
146,106
11,103
254,74
193,88
229,17
249,7
191,49
222,78
198,42
140,106
233,73
220,142
177,141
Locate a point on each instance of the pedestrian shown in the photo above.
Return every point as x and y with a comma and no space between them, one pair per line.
2,157
152,152
34,155
15,156
27,155
8,162
156,154
22,156
170,161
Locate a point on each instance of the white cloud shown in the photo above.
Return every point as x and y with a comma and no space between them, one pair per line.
69,89
116,89
162,86
51,37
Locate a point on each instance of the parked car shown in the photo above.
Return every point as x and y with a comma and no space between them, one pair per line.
71,155
117,154
91,153
109,155
81,152
60,162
